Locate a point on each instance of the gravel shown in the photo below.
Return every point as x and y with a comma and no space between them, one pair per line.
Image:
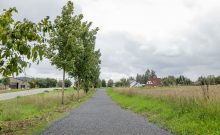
101,116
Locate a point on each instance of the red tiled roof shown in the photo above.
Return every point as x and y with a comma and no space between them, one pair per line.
154,82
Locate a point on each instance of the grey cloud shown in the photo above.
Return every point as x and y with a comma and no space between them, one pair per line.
193,52
35,10
198,54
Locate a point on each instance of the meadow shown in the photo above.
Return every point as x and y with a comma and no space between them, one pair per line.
31,114
182,110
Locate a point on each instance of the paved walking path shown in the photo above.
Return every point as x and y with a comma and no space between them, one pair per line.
5,96
101,116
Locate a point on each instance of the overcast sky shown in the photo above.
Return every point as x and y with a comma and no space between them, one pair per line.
173,37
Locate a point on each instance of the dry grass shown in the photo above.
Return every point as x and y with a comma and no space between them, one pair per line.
183,110
173,92
22,113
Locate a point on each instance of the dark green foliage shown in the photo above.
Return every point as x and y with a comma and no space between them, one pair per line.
124,82
6,81
110,83
68,83
217,80
182,80
43,82
103,83
118,84
169,81
209,80
143,78
98,83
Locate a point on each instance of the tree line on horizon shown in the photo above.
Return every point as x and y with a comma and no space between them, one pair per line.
39,82
166,81
68,42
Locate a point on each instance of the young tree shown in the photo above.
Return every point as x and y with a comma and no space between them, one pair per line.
217,80
20,41
6,81
110,83
98,83
68,83
92,72
87,69
153,74
124,82
60,83
169,81
32,83
147,76
103,83
182,80
64,43
118,84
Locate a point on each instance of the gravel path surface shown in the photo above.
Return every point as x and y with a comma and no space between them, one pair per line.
101,116
5,96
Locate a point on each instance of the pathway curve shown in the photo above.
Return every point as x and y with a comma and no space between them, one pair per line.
101,116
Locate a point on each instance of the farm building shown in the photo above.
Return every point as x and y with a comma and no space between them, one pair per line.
154,82
135,84
16,83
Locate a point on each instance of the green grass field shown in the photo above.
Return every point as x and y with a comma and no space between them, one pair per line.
180,115
31,114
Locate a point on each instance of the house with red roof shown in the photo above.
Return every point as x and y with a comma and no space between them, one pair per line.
154,82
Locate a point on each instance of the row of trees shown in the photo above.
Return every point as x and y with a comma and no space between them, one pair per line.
182,80
211,79
72,48
110,83
123,83
68,41
143,78
48,83
40,82
171,81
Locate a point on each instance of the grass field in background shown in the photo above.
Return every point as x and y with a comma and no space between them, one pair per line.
31,114
182,110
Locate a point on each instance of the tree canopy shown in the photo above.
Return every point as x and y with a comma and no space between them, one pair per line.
20,41
72,48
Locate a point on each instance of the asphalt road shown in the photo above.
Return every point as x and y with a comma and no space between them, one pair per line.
6,96
101,116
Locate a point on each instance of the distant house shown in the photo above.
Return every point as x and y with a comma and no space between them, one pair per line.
16,83
135,84
154,82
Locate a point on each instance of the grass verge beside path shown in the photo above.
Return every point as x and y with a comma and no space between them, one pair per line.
32,114
180,116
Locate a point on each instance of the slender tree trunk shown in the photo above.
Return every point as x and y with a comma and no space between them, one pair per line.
78,87
62,101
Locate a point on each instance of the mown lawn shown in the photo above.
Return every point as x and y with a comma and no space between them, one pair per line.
31,114
180,115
